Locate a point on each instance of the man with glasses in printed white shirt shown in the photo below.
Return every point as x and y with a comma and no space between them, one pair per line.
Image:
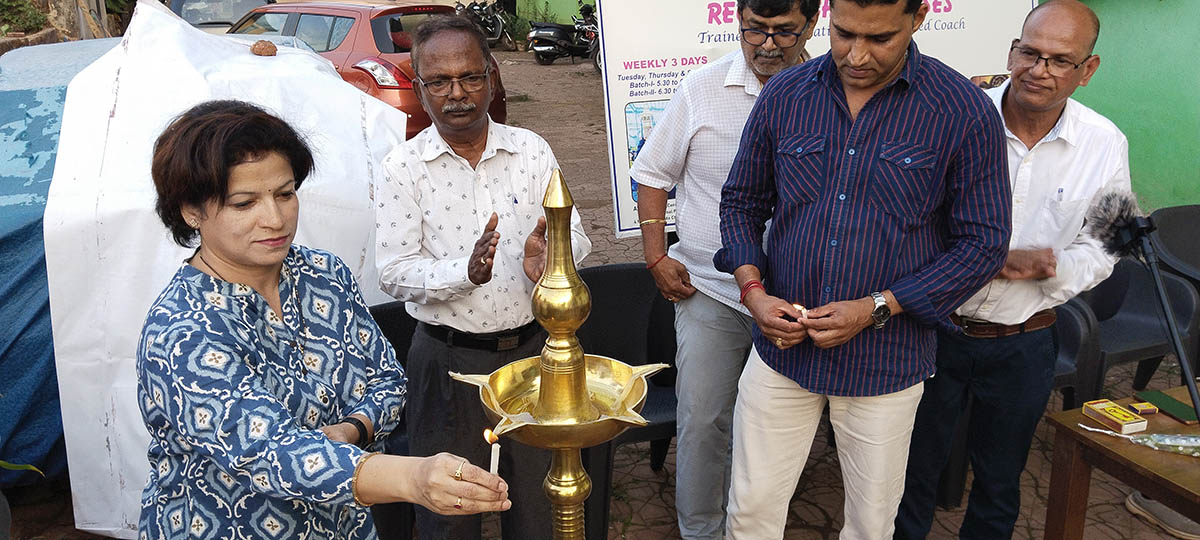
461,238
692,148
1061,156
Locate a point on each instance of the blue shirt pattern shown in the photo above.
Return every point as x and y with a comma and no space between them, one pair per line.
911,196
234,407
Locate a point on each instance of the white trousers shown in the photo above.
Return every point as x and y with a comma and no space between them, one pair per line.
773,426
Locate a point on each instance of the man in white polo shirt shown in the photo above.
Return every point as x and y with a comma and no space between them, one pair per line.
692,148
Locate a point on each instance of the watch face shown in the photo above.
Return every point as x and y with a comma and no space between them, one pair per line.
882,312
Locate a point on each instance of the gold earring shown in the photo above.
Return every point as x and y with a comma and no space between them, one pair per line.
195,224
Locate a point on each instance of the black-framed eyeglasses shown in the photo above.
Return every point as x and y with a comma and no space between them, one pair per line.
1025,58
783,40
443,87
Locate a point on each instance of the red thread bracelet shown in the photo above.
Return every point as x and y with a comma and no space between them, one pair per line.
749,286
656,261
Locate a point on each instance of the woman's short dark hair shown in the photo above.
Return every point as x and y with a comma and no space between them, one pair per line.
194,155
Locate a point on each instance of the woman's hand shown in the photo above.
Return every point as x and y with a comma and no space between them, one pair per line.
438,489
342,432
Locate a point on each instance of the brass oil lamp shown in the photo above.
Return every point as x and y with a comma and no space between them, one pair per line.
564,399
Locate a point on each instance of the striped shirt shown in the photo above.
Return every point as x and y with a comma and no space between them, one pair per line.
912,197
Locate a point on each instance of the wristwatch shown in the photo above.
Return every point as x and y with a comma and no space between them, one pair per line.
882,312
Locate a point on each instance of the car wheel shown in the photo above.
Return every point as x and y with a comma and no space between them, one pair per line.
543,59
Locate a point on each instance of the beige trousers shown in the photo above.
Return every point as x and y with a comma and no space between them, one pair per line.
773,426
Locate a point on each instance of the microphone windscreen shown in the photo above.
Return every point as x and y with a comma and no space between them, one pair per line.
1111,215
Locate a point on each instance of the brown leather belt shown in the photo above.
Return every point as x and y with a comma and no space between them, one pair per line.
983,329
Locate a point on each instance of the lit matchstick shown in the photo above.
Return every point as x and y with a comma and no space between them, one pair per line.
492,439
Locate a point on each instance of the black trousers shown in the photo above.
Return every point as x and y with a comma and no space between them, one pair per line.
1010,380
445,415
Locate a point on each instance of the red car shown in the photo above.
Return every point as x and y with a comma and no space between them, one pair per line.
368,42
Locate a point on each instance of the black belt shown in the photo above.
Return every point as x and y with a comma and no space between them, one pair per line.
496,341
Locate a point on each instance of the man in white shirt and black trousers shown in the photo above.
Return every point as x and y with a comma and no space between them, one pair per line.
1061,156
693,147
461,238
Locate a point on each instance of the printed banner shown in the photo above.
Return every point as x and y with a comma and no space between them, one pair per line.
648,47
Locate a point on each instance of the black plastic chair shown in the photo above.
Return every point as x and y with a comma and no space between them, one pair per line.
394,521
631,322
1074,368
1078,353
1178,251
1136,331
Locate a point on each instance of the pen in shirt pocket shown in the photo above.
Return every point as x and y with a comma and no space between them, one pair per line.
1060,190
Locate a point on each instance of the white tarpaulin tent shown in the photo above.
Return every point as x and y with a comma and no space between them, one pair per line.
107,254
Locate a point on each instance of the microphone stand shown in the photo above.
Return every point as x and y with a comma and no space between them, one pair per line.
1137,235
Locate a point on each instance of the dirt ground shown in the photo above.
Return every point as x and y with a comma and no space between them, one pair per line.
564,103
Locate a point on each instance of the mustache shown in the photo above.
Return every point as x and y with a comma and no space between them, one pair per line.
458,107
759,53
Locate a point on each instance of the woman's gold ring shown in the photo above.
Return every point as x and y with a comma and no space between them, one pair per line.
458,504
458,471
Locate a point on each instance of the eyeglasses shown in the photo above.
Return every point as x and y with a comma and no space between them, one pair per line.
1025,58
783,40
443,87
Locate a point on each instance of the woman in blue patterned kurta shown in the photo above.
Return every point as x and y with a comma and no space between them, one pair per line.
263,379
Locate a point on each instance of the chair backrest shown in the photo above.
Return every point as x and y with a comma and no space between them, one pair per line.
1105,299
397,326
1175,239
622,300
1132,287
1076,331
1079,356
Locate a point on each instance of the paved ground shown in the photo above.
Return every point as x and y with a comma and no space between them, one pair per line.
563,103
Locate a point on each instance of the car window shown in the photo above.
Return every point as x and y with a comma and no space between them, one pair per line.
323,32
199,12
341,29
263,24
392,32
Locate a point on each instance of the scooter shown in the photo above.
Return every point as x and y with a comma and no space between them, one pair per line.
490,18
550,41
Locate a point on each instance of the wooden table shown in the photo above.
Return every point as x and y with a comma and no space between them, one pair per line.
1171,479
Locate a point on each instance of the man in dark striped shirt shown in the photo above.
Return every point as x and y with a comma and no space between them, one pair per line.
884,173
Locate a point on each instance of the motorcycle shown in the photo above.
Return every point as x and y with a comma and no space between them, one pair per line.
550,41
491,19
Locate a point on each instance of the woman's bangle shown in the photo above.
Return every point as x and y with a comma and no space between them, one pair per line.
354,481
645,222
656,261
749,286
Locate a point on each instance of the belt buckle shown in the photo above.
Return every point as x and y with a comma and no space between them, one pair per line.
508,343
971,326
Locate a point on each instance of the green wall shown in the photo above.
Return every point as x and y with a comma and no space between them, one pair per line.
561,10
1149,85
